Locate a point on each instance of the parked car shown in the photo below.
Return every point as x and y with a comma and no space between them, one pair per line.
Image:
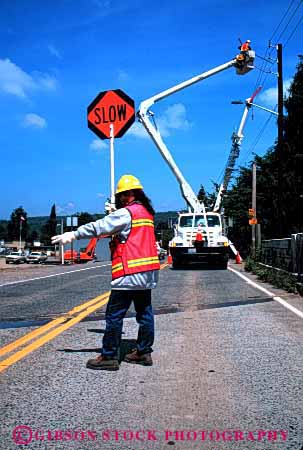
15,258
36,258
161,252
5,251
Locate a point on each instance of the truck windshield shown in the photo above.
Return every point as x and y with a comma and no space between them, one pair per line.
187,221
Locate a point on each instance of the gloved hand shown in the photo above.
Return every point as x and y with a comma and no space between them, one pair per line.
110,207
64,238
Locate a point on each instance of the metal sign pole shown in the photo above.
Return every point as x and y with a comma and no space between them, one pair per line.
112,165
20,232
71,244
62,246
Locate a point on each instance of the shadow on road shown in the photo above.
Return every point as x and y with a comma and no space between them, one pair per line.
126,346
197,266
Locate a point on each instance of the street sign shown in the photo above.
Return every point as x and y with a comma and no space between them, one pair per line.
72,221
111,108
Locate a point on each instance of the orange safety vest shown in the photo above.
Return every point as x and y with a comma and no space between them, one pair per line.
139,252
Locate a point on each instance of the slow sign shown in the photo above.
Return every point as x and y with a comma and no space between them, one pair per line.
111,108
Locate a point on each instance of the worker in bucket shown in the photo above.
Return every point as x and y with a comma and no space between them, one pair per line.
135,269
244,49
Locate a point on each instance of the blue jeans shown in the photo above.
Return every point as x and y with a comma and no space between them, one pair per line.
117,307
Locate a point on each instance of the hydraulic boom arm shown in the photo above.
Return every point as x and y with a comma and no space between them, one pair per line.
234,152
144,115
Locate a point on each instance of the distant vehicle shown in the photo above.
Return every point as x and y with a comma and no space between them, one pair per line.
36,258
161,252
84,255
15,258
5,251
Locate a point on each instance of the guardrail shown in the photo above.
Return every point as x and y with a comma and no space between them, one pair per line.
285,254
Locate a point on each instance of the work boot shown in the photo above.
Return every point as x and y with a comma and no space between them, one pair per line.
102,363
135,358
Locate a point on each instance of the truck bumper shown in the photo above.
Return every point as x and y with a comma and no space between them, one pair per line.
206,254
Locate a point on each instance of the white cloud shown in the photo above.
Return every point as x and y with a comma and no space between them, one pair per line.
54,51
68,208
98,145
100,195
270,96
34,121
137,130
15,81
173,118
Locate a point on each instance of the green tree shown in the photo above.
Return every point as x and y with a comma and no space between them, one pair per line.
18,223
292,156
207,198
3,231
238,199
236,204
50,228
33,236
84,217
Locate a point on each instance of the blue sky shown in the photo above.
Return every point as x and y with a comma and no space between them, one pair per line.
56,56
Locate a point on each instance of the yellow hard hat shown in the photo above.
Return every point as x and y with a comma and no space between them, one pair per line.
128,182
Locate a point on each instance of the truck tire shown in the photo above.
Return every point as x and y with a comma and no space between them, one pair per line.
176,263
223,265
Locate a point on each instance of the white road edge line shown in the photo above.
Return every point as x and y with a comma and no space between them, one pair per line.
54,275
266,291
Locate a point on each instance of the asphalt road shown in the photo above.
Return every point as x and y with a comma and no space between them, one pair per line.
227,357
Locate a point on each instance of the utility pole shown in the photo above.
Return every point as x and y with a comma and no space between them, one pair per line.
254,203
279,151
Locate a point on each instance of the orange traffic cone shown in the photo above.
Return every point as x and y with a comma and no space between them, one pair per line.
238,258
169,258
199,235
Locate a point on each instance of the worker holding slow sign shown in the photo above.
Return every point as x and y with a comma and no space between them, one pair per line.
135,268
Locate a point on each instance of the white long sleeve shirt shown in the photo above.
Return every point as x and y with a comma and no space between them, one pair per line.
119,223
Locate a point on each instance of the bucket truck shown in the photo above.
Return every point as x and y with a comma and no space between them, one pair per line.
184,247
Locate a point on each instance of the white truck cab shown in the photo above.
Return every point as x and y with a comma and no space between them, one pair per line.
213,246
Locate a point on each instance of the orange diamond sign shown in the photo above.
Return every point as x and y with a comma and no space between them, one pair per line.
111,108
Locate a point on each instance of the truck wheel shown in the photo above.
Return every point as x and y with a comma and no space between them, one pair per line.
223,265
176,263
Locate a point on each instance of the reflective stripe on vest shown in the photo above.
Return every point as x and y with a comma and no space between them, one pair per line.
141,222
142,261
138,253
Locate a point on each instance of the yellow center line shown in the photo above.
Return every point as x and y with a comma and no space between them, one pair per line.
4,364
88,307
35,333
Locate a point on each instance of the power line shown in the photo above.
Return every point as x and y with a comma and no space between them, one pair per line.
278,26
265,67
293,31
256,141
293,14
267,64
